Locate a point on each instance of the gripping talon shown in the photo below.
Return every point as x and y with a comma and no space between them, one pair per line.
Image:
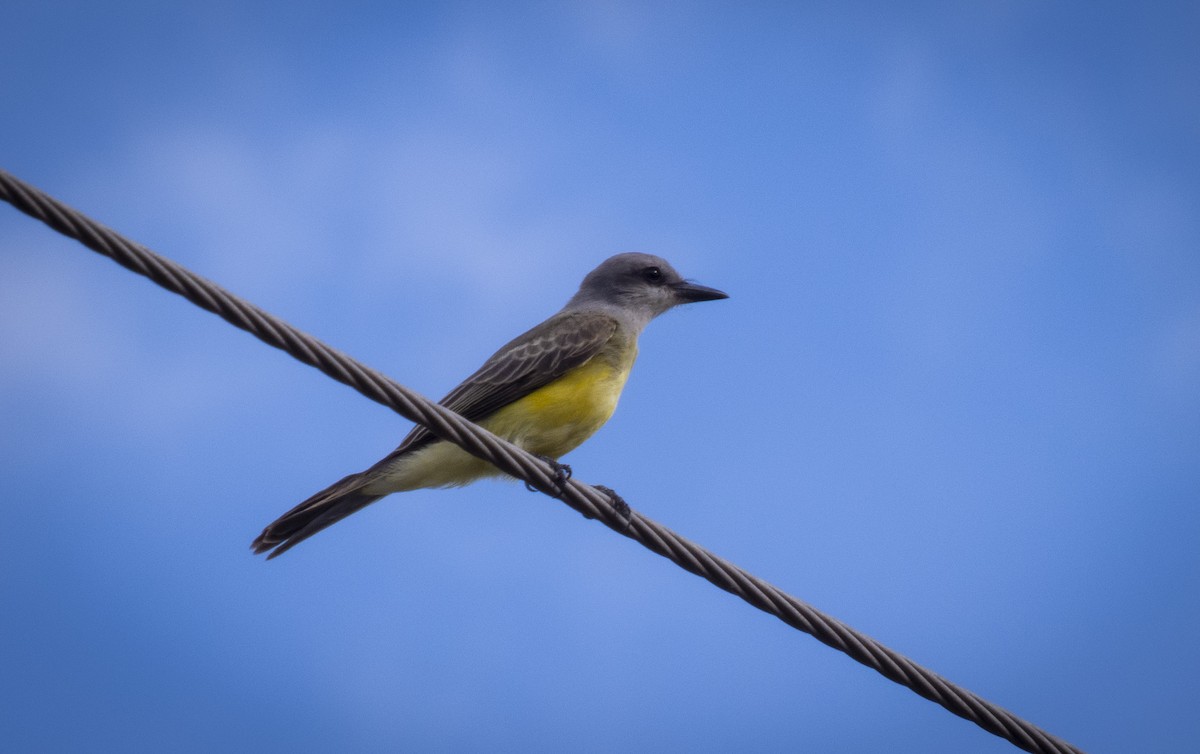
562,474
618,503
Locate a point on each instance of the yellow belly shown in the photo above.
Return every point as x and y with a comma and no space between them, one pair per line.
551,421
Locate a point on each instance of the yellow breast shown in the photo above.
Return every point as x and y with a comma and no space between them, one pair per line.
555,419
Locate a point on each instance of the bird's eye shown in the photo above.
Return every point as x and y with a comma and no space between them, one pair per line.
652,275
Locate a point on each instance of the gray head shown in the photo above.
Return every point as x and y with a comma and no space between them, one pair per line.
640,286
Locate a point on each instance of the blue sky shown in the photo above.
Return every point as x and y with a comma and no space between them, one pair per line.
954,398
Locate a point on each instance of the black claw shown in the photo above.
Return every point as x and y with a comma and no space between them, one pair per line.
618,502
562,474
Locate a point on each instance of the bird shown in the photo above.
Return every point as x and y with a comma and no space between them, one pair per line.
547,391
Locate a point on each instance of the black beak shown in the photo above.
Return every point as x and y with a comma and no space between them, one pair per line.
691,292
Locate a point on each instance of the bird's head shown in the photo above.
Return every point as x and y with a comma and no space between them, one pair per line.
641,285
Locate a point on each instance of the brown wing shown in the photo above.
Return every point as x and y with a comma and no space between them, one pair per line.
526,363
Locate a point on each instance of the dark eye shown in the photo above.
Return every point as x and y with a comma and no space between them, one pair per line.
652,275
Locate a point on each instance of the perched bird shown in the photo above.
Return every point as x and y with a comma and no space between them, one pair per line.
546,391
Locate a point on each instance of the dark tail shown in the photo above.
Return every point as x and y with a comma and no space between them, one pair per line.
323,509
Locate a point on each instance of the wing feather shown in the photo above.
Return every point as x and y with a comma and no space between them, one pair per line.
524,364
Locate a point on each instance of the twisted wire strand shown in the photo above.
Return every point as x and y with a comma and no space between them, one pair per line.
516,462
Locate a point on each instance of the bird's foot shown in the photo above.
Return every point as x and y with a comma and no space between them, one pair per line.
618,503
562,474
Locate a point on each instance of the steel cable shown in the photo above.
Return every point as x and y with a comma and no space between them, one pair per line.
584,498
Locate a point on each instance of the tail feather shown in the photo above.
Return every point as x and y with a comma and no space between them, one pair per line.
323,509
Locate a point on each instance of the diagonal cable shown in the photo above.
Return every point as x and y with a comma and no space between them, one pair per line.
477,441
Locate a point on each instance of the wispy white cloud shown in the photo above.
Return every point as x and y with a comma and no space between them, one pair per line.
51,333
64,333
